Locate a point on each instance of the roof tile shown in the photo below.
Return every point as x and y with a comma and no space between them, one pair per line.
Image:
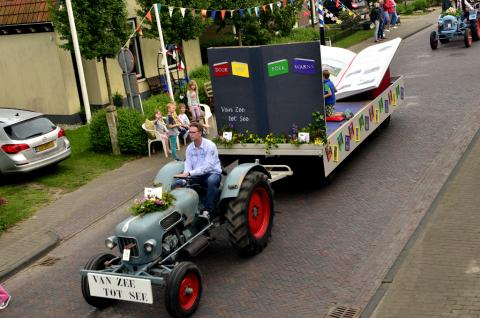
14,12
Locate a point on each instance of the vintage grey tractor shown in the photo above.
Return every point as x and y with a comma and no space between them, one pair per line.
153,247
452,27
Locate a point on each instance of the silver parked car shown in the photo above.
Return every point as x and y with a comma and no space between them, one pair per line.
29,141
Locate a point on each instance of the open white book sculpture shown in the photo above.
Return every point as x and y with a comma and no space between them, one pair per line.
353,73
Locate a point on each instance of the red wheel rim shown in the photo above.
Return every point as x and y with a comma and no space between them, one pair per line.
189,291
259,212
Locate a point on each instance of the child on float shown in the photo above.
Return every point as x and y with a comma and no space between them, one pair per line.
328,94
193,100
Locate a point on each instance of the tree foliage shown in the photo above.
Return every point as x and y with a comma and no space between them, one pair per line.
101,26
175,28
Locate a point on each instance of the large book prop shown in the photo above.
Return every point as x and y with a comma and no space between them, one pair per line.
266,89
366,71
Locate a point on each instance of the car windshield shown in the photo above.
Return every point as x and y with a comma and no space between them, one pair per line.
30,128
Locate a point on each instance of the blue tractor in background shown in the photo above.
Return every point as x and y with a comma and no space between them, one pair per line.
452,26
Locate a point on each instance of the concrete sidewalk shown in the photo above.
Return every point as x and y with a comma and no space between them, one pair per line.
77,210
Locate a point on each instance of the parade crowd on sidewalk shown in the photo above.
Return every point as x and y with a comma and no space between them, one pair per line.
384,16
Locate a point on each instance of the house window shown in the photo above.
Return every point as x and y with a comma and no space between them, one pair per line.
135,49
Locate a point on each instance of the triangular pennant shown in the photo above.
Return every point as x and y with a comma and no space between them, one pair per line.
204,13
181,66
193,12
214,13
148,16
264,8
222,14
249,10
231,13
306,13
170,11
241,13
284,3
256,11
337,4
279,4
271,6
139,30
182,10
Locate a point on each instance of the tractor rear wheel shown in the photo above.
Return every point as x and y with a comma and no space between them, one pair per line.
475,30
467,38
183,290
96,263
433,40
250,215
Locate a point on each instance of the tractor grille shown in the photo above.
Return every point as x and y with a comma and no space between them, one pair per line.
128,241
170,220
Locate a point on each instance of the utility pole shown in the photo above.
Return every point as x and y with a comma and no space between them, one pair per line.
78,59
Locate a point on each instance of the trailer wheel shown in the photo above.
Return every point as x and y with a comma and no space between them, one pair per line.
467,37
475,30
96,263
250,215
183,290
433,40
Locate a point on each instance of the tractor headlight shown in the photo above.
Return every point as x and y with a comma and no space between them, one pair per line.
111,242
150,245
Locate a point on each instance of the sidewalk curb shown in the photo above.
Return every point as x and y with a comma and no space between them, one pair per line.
419,30
390,276
53,240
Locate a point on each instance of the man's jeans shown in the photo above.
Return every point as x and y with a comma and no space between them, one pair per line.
211,181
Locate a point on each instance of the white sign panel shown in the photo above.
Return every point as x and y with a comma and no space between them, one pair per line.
122,288
153,192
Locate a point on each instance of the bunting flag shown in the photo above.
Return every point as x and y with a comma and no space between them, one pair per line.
222,13
204,13
214,13
271,6
148,16
241,13
170,11
256,11
139,30
284,3
264,8
231,13
182,10
337,3
193,12
306,13
279,4
249,11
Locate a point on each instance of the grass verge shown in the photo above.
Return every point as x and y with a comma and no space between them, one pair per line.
25,194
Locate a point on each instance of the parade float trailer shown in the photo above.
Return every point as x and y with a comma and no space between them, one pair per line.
267,90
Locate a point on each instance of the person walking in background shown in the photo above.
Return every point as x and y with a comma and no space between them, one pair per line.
392,13
381,27
193,100
4,298
386,17
375,19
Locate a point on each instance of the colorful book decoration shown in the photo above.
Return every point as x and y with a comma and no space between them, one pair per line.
277,67
221,69
304,66
240,69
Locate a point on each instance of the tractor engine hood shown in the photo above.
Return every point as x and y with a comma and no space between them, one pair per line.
136,230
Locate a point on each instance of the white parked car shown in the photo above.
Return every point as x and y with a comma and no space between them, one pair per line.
29,141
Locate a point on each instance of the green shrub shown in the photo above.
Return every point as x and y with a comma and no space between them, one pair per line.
98,132
298,35
202,72
117,99
419,5
155,102
131,137
349,21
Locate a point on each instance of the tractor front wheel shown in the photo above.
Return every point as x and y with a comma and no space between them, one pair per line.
433,40
467,38
183,290
250,215
96,263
